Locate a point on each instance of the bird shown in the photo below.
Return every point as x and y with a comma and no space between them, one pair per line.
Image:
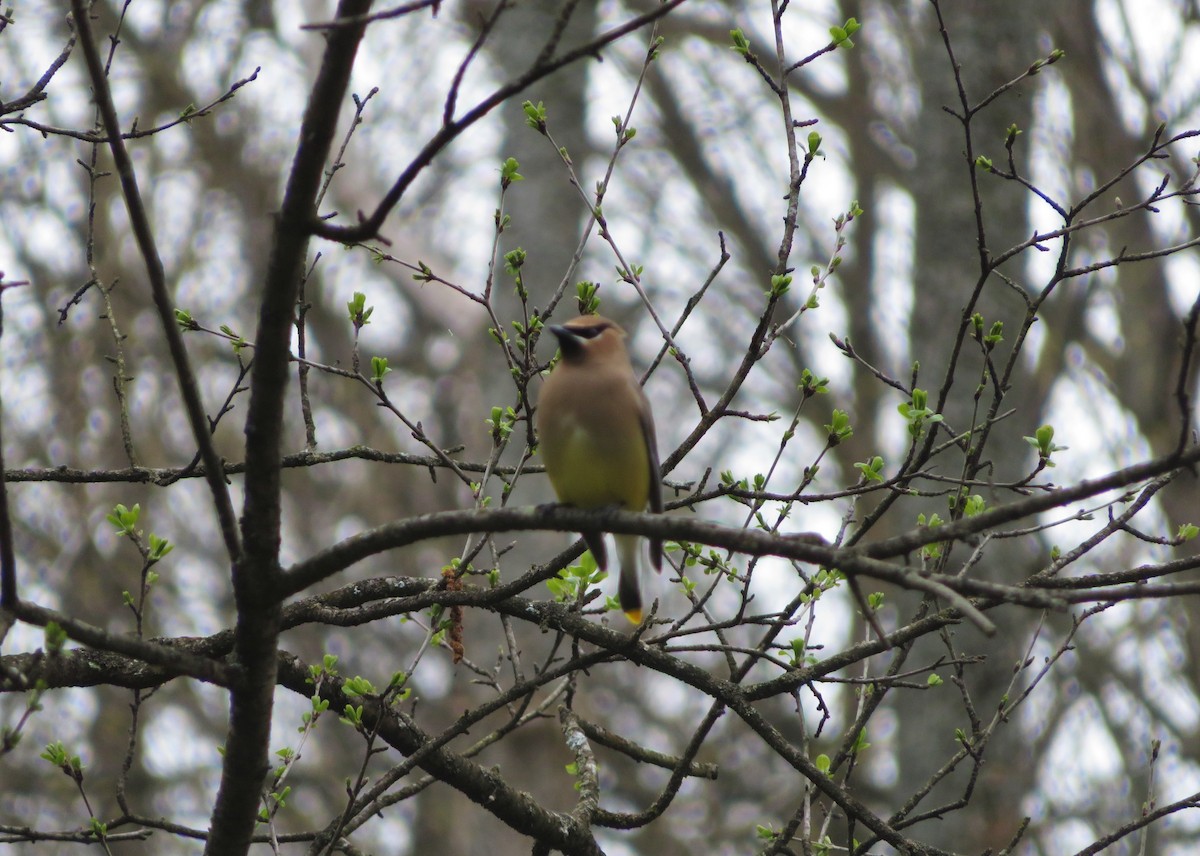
596,436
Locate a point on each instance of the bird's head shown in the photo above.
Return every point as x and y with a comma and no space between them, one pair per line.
588,335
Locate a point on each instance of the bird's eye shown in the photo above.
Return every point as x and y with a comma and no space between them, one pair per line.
589,332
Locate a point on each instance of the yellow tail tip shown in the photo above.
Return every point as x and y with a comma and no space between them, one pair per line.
634,615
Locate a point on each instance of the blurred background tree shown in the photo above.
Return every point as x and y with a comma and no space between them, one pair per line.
961,128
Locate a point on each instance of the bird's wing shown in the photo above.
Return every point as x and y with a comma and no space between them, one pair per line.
655,498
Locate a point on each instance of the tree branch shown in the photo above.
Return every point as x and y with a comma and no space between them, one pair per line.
139,221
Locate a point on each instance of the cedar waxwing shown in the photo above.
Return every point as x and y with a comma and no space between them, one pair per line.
596,434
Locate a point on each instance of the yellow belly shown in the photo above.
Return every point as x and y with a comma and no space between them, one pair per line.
591,469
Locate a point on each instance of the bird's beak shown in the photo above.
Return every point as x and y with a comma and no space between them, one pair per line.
569,342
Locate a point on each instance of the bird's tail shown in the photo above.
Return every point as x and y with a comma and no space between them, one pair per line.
629,590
